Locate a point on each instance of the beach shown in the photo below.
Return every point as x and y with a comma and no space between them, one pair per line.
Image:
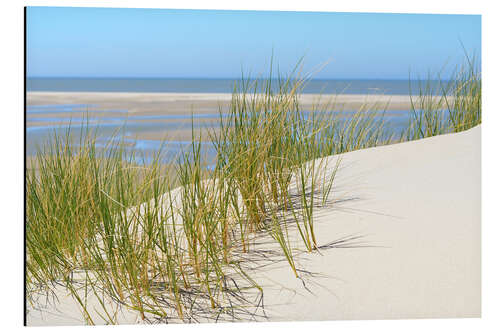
153,117
174,103
401,240
230,166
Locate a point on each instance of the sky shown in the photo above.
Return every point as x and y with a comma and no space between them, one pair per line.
110,42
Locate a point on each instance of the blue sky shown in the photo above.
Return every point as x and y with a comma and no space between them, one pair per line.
108,42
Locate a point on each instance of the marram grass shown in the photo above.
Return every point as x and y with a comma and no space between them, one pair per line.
175,241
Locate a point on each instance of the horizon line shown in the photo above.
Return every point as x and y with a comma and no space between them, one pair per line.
221,78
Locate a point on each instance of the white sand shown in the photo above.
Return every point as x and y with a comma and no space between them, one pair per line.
420,202
417,206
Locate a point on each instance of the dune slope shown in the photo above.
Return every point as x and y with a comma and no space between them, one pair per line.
401,239
416,207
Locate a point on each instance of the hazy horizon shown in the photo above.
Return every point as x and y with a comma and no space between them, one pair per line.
216,78
218,85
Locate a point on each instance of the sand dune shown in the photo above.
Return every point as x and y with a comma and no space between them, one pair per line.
416,206
412,214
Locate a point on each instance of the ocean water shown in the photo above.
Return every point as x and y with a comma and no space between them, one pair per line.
387,87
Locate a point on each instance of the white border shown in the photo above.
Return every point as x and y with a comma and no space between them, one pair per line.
11,199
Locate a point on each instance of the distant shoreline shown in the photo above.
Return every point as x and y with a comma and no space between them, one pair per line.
180,103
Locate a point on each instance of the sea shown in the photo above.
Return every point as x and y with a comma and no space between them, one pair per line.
183,85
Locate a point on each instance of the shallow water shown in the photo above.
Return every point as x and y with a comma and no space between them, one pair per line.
42,125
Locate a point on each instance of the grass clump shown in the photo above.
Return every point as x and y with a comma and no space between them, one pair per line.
451,106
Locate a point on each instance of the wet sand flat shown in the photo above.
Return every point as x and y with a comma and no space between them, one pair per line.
181,103
169,112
